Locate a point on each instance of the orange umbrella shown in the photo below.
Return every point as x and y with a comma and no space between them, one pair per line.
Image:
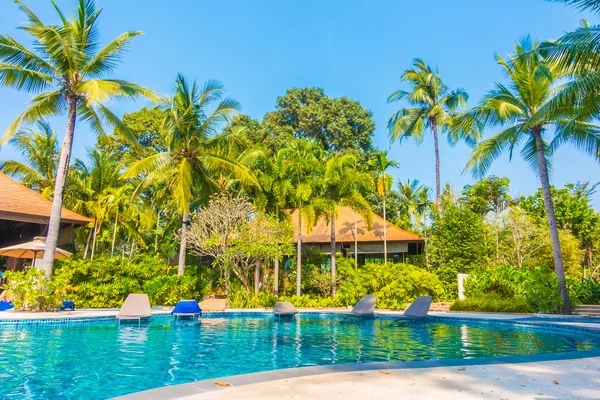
32,250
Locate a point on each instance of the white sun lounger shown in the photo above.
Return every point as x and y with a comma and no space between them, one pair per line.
419,308
364,308
284,309
135,307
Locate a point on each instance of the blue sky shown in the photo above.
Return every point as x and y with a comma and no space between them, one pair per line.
357,49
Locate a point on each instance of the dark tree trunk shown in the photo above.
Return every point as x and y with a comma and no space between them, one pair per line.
59,191
558,258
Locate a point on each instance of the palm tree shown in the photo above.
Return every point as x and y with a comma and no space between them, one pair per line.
66,72
40,149
577,54
522,109
410,198
303,169
381,163
434,106
117,202
343,184
88,183
193,158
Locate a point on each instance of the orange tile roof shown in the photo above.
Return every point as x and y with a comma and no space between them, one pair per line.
344,226
19,203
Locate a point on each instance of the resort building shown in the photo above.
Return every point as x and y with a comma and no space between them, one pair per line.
351,231
24,214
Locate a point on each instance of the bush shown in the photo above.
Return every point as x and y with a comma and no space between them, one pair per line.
167,290
393,284
30,291
493,303
105,282
586,291
538,288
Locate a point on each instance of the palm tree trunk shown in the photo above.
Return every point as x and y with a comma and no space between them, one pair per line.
299,255
552,224
94,240
355,242
497,216
112,248
183,244
87,242
156,234
256,276
332,252
384,232
276,278
438,184
59,190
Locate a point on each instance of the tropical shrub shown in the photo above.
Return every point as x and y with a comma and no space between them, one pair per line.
30,291
105,282
493,302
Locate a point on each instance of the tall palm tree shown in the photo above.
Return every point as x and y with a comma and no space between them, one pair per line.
577,53
303,169
381,163
40,150
433,106
193,159
117,202
522,110
343,184
410,198
88,183
66,73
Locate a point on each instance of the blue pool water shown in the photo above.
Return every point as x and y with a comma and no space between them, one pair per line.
99,360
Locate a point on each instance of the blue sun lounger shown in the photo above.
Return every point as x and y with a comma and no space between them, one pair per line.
6,305
186,309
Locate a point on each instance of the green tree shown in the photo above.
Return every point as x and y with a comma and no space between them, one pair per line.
40,150
66,72
190,130
573,212
489,195
433,106
381,164
343,184
456,241
521,109
336,124
303,169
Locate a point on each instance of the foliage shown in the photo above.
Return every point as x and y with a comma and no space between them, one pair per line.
336,124
457,242
106,282
536,287
40,150
30,291
493,303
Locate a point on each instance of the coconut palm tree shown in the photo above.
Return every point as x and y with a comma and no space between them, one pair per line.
117,202
66,72
410,199
193,159
40,150
343,184
302,167
433,106
381,164
521,110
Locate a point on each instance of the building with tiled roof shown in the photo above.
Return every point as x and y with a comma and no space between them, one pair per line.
25,214
351,229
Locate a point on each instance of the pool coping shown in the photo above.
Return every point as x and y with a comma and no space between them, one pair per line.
178,391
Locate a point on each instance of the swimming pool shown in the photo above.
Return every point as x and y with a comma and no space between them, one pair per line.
99,360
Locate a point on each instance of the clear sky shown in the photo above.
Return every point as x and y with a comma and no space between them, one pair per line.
357,49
